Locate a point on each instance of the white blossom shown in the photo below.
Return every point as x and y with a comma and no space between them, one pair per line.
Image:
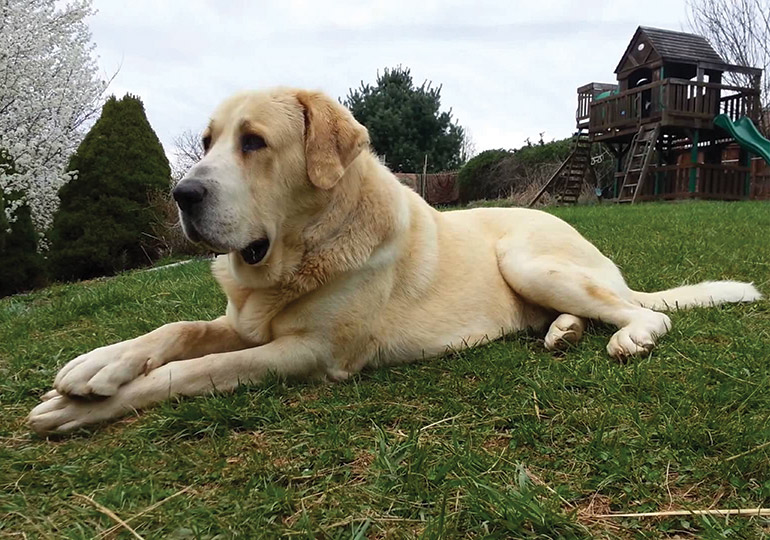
49,87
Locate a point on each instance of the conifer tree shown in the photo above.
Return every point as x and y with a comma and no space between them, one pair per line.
405,122
104,218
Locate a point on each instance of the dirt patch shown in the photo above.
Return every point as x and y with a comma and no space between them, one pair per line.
361,465
496,443
596,505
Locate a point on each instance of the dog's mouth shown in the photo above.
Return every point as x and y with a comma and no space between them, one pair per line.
190,230
192,234
252,254
256,251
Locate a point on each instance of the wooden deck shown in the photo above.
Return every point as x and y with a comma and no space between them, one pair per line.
675,103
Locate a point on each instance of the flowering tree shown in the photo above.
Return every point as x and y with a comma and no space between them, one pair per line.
48,88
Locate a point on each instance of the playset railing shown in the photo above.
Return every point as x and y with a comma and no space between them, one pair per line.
675,102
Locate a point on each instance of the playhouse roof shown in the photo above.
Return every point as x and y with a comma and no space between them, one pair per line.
674,46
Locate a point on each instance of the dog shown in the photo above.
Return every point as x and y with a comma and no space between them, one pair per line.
330,265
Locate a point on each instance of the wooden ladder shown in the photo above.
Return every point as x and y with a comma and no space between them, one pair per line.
640,155
575,173
567,182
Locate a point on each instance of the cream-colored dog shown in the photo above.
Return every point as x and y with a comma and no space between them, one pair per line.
332,266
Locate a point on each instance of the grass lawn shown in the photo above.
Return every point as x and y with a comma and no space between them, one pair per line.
503,441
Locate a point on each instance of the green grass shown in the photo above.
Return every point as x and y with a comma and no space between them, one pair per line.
502,441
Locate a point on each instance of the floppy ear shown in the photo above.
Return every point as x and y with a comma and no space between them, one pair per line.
333,138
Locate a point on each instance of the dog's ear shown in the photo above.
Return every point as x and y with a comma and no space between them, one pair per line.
333,138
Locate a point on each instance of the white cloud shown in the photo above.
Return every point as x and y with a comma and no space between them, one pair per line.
509,69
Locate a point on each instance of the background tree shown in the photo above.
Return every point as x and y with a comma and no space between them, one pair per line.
22,267
467,147
49,88
104,223
405,122
4,228
739,30
188,150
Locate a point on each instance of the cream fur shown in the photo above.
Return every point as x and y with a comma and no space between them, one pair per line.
360,272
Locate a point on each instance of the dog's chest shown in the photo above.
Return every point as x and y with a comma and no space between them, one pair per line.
250,311
252,318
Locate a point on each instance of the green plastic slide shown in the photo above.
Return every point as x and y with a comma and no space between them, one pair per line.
746,133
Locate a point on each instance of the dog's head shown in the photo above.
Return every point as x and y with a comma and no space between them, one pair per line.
268,157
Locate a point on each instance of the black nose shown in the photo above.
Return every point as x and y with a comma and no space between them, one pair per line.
189,193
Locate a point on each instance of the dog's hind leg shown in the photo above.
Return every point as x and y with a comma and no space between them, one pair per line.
564,331
593,290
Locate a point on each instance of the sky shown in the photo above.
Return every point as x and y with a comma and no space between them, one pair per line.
509,70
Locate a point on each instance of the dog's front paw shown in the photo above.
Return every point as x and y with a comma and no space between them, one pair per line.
101,372
61,414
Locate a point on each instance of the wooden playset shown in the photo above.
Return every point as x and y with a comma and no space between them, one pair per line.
676,125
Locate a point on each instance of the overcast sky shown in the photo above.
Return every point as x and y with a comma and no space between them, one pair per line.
509,69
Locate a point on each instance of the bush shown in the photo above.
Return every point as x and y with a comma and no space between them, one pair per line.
500,173
21,266
552,152
476,178
104,222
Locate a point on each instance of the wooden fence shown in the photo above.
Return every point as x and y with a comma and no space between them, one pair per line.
435,188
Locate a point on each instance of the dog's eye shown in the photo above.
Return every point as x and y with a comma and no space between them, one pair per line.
251,142
206,143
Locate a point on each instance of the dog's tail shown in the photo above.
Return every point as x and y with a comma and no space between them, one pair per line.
708,293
